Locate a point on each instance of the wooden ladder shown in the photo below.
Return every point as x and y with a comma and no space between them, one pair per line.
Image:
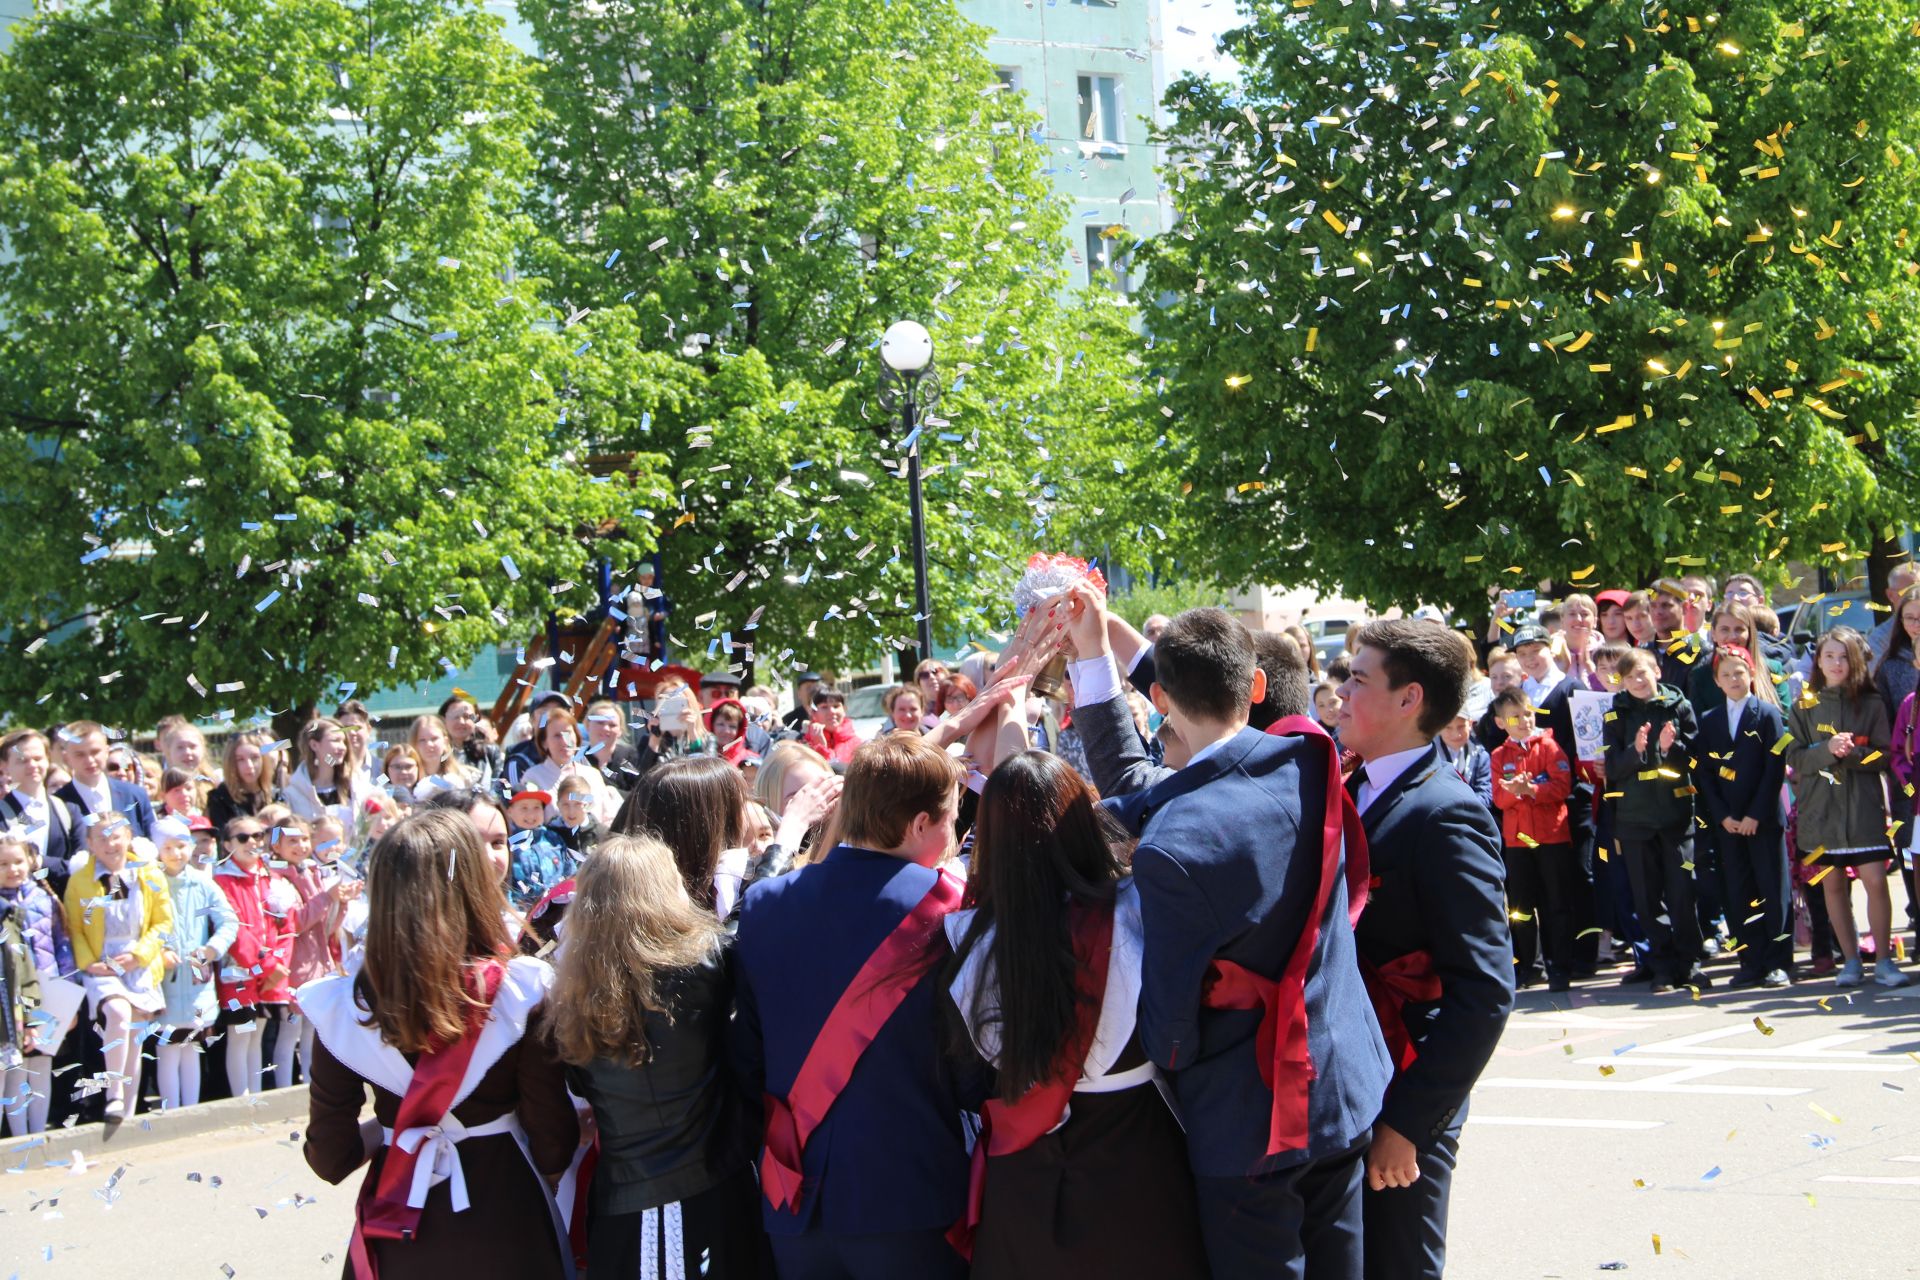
589,669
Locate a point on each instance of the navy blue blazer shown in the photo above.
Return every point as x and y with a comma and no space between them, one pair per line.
1474,765
66,841
890,1156
129,798
1228,865
1747,751
1439,887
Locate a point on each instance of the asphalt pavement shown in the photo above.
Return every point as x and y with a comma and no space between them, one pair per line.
1743,1134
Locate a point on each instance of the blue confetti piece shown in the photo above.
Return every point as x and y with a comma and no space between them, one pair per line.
265,604
249,524
98,553
582,348
286,517
1710,1174
612,258
1546,477
512,569
445,335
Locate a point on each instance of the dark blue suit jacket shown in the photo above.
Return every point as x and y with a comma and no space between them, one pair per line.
1754,789
890,1156
1228,865
128,797
66,842
1439,887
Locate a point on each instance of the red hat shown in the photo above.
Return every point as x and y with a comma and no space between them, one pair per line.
199,822
541,796
1616,598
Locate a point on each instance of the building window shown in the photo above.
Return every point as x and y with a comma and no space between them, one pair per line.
1106,255
1100,120
1010,78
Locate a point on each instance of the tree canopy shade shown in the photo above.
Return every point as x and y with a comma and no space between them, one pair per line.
764,188
276,411
1471,291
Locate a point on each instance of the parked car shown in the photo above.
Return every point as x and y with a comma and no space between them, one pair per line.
866,707
1811,619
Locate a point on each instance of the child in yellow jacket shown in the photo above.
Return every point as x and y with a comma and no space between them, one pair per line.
118,914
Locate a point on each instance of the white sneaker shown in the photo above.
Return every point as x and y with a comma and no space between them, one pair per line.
1849,975
1886,972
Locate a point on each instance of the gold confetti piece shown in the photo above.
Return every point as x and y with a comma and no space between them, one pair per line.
1333,220
1640,1184
1238,380
1606,1070
1313,338
1825,1114
1761,1025
1656,1244
1579,342
1811,1202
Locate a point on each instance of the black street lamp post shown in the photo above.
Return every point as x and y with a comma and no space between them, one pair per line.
910,386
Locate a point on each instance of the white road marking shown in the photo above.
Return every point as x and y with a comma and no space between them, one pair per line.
1871,1182
1656,1085
1548,1122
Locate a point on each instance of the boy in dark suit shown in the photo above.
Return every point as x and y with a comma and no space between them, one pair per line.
864,1166
83,749
1434,936
1240,888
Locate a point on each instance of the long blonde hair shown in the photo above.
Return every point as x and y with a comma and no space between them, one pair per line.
436,911
631,919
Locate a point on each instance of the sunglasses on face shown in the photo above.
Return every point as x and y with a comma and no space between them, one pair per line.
247,837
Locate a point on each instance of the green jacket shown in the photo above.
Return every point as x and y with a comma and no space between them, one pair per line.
19,977
1840,804
1654,792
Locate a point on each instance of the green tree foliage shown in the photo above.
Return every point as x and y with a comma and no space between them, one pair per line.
275,410
1489,292
763,188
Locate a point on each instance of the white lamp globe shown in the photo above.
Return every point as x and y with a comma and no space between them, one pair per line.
907,347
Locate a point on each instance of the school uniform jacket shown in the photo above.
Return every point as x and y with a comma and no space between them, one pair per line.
1228,866
66,835
1737,771
889,1156
1437,887
87,922
126,797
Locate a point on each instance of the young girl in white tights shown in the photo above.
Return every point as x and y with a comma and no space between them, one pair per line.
204,926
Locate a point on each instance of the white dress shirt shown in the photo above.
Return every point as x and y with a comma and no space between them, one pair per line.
96,800
1382,773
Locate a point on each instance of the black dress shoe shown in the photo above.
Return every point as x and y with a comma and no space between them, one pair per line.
1559,982
1741,981
1634,977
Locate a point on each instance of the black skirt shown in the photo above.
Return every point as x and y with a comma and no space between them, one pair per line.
1107,1194
721,1237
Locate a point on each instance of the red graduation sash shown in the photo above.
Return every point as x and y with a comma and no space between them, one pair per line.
863,1008
1391,987
382,1212
1286,1066
1007,1127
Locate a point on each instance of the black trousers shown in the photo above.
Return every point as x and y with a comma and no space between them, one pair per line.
1657,863
1406,1227
820,1255
1540,884
1587,917
1759,898
1302,1223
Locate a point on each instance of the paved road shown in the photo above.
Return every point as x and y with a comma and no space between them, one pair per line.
1609,1117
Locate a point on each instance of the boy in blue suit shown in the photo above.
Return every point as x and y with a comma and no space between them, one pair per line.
1434,937
83,748
864,1167
1236,877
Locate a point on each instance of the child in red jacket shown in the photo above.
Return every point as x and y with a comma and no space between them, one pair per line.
1531,781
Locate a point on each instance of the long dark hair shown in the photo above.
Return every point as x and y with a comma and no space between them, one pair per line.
1040,839
696,806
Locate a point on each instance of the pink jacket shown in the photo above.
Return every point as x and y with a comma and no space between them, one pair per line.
312,924
1900,758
